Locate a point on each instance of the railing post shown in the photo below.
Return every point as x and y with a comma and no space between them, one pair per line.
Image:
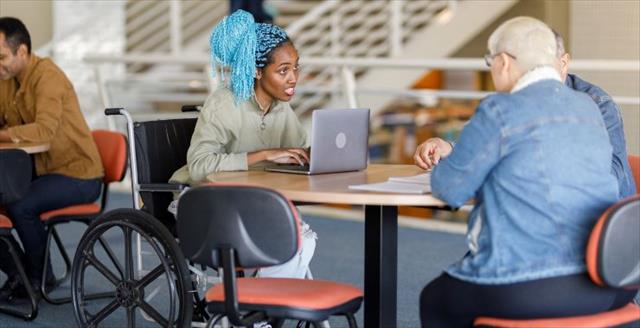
175,26
103,93
395,24
349,86
336,50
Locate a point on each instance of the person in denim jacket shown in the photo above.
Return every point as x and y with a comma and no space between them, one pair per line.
536,159
612,120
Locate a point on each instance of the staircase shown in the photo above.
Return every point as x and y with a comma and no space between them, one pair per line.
391,29
354,29
329,28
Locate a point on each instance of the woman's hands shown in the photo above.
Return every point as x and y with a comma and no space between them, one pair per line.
281,156
288,155
429,153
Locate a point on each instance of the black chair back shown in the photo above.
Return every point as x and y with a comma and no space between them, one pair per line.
259,224
616,241
161,149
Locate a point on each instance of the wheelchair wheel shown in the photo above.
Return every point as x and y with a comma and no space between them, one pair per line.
161,293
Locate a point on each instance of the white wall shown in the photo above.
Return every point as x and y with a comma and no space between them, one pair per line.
610,30
35,14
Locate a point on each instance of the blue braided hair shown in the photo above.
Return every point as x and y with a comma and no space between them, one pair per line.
242,44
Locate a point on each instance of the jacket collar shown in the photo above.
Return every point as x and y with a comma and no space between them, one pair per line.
535,75
33,62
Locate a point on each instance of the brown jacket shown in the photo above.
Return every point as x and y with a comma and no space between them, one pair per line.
44,107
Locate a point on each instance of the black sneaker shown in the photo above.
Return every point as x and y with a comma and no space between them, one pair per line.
10,286
20,295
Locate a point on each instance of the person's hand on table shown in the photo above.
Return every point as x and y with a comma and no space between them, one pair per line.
429,153
4,135
288,156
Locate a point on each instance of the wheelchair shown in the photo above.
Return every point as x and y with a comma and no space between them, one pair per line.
150,278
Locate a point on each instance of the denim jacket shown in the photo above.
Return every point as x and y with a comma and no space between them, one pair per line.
537,162
612,120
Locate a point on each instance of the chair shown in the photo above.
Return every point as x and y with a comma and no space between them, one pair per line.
112,147
231,226
5,230
17,183
157,148
634,164
612,260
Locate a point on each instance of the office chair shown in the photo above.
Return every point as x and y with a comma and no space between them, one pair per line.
231,226
112,147
613,259
634,164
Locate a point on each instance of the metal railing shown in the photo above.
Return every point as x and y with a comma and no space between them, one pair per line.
356,28
348,66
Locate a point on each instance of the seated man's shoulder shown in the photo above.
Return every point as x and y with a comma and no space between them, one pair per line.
47,71
596,93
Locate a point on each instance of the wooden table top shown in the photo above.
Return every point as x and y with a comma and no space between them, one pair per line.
333,188
29,147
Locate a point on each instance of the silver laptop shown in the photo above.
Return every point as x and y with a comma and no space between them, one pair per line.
339,143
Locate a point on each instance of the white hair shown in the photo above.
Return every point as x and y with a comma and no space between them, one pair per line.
529,40
559,44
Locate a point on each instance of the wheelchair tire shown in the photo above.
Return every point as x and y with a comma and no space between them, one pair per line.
128,291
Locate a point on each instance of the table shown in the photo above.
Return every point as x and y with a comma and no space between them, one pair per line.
29,147
381,222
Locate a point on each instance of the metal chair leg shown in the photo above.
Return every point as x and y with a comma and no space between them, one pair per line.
352,320
63,300
27,285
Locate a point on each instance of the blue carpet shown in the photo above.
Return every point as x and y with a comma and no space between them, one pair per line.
339,256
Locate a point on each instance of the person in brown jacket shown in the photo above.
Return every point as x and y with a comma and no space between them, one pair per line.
38,104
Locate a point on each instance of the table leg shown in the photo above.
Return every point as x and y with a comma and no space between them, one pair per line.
380,265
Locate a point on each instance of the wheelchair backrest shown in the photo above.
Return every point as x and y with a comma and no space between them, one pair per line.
161,149
260,224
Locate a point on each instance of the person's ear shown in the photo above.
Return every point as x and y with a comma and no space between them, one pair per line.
504,63
564,61
258,74
22,51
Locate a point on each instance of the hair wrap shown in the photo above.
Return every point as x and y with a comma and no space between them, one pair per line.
242,45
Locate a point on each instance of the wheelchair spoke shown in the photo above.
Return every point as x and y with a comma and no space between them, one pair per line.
102,269
105,312
128,256
151,276
148,309
131,317
111,255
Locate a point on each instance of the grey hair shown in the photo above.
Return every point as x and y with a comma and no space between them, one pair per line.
559,43
527,39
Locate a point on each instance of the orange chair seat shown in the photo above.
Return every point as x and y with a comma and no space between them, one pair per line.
82,209
628,313
5,223
289,292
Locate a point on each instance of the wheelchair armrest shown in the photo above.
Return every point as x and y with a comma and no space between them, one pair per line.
162,187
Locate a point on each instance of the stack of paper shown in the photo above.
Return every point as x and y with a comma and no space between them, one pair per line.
416,184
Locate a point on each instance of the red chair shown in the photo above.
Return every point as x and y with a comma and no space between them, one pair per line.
612,260
227,227
634,164
112,147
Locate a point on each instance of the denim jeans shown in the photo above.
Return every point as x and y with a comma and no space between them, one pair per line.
46,193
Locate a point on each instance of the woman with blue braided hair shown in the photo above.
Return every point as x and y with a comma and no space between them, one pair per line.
248,121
